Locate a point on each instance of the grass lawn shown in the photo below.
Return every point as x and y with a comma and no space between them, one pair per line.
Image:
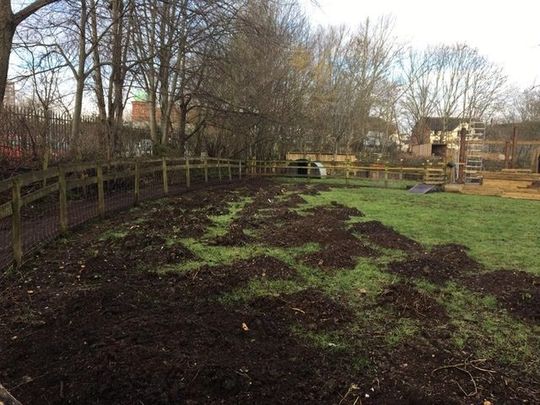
501,232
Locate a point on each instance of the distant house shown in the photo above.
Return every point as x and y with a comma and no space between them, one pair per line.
437,136
437,130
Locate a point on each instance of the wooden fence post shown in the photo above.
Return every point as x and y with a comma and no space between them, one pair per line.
137,185
240,170
62,201
347,172
309,170
219,168
188,174
206,170
230,170
385,175
7,398
101,191
165,175
16,224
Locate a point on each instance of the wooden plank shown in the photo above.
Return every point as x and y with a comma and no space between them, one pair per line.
16,222
71,184
101,191
118,175
165,176
5,210
188,175
137,183
521,196
36,195
62,202
5,185
29,178
6,398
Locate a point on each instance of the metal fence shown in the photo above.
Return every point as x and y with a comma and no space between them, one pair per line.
27,134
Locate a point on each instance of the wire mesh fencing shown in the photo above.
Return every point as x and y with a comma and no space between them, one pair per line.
37,207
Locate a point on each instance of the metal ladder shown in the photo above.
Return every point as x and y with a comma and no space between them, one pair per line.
474,162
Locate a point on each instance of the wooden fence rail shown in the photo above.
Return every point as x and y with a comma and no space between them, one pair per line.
102,186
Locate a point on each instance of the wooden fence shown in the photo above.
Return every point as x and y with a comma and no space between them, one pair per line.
36,207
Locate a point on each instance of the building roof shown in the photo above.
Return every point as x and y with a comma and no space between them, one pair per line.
439,124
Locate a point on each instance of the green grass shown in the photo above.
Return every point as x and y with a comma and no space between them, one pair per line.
501,233
220,223
112,234
492,332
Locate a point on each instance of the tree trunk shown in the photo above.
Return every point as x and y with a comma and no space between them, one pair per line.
182,135
81,76
7,30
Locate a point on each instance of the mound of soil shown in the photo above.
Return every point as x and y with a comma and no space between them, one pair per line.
405,299
147,250
443,263
385,236
291,201
323,225
337,211
308,189
143,338
310,308
433,372
220,279
235,236
517,291
339,255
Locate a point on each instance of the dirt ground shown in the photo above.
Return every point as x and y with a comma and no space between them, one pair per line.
86,322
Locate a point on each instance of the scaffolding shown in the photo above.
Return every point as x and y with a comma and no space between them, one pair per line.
474,158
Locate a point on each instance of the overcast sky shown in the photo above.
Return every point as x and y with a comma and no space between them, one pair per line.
508,32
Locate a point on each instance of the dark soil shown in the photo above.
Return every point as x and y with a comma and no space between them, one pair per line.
517,291
407,301
142,339
220,279
336,211
83,323
385,236
443,263
340,255
310,308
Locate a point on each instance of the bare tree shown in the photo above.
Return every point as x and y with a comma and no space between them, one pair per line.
9,21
